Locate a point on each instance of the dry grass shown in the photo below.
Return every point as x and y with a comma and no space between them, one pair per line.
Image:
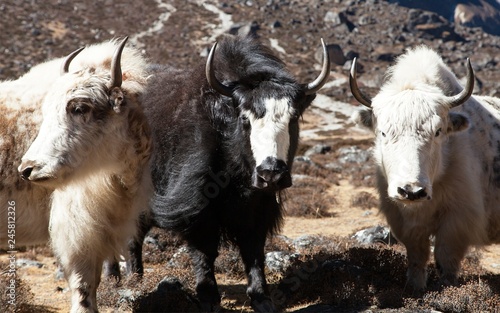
358,278
364,200
308,198
15,294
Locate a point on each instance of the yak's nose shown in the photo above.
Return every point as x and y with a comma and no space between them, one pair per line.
410,192
272,174
25,169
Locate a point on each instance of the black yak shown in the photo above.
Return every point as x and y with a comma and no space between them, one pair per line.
225,135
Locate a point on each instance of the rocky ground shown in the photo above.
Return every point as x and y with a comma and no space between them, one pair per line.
315,265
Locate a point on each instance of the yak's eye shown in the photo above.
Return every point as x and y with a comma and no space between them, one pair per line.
78,108
438,132
383,134
244,119
81,109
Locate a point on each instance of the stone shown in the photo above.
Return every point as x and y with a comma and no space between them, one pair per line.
374,234
279,261
353,154
317,149
28,263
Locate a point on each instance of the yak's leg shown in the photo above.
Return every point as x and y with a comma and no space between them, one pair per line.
83,277
204,250
418,251
111,269
450,248
415,239
134,261
251,245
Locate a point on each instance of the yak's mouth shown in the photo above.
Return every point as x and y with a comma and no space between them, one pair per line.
38,179
271,175
41,179
409,203
277,183
35,175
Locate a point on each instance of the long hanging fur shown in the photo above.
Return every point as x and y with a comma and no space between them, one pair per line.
216,147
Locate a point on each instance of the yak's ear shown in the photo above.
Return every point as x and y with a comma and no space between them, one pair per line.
304,101
363,117
458,122
116,99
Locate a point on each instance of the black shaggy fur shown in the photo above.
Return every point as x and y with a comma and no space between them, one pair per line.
203,163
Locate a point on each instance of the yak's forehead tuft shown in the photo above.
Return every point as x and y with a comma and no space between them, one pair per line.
409,110
93,88
134,65
75,85
278,109
271,109
260,100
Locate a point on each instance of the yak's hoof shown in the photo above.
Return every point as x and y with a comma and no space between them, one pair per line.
264,305
210,307
449,280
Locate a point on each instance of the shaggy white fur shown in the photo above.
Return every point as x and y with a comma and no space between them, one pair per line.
89,174
438,167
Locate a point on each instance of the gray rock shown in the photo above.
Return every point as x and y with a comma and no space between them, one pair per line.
317,149
338,18
307,241
431,26
334,52
279,261
366,20
335,166
28,263
245,29
353,154
154,242
151,241
373,235
334,18
284,238
176,257
127,296
302,158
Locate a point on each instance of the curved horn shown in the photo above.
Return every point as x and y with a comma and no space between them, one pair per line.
358,95
116,69
467,91
323,76
212,80
68,59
